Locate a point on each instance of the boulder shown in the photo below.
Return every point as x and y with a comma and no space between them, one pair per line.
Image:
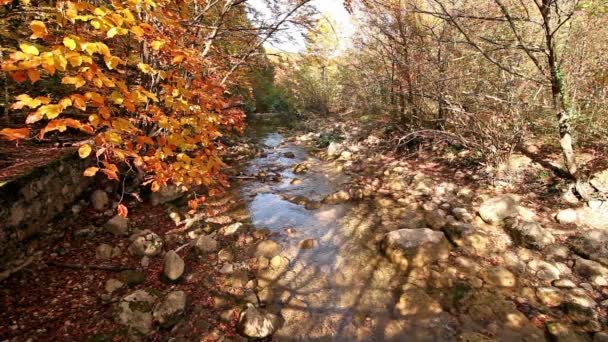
258,323
173,265
550,296
435,219
113,285
168,312
267,248
135,311
166,194
529,233
117,225
415,247
544,270
589,269
496,209
145,243
100,200
206,244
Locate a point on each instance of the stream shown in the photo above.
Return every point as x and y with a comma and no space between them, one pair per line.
342,289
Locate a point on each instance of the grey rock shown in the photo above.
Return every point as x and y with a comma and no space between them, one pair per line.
529,233
496,209
146,243
206,244
117,225
334,149
173,265
104,252
166,194
435,219
135,311
592,244
168,312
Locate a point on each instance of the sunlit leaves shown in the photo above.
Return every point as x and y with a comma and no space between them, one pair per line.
76,81
29,49
69,43
91,171
84,150
38,29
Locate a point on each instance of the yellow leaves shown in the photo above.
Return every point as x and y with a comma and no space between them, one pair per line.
48,62
91,171
69,43
145,68
14,133
74,58
38,29
112,32
29,49
51,111
77,81
84,151
157,44
24,100
178,59
112,62
116,98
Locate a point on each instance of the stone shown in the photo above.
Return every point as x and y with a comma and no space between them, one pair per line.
104,252
544,270
225,255
258,323
227,269
496,209
560,332
166,194
415,301
279,262
267,248
113,285
462,214
173,265
593,244
232,229
334,149
145,243
566,216
206,244
300,169
498,276
135,311
312,205
337,197
579,306
550,296
100,200
145,261
415,247
289,155
601,336
168,312
117,225
435,219
346,155
307,244
564,284
529,234
589,268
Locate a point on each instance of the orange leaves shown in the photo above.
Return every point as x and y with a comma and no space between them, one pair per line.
61,125
122,210
112,62
38,29
24,100
14,133
91,171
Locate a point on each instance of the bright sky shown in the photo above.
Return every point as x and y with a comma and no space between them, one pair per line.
332,9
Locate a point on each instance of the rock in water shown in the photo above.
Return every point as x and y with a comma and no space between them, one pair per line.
117,225
135,311
267,248
168,312
415,247
206,244
173,265
337,197
496,209
307,244
334,150
146,243
100,200
258,323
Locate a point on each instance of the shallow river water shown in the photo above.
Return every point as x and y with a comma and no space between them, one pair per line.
343,289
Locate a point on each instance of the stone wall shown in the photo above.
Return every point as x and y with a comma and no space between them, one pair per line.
30,201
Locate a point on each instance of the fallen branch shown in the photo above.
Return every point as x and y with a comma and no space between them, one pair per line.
91,267
182,247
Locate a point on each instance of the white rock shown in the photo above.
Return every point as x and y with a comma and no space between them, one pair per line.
173,265
167,312
206,244
146,243
498,208
258,323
